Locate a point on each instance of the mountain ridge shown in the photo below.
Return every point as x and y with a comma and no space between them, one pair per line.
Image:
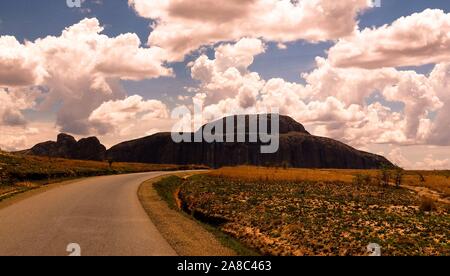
297,148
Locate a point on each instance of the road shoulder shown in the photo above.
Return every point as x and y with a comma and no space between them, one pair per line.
185,235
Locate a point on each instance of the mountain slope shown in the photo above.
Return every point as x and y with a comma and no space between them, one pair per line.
298,149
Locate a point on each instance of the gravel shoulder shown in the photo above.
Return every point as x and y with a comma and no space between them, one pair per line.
185,235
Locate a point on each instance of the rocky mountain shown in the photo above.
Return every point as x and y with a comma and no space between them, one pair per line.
298,148
67,147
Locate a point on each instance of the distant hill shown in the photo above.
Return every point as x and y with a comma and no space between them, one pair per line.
67,147
298,148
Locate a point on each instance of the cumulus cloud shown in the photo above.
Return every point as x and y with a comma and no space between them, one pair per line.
182,26
333,101
14,138
440,81
418,39
18,65
130,117
429,162
80,69
227,76
13,102
354,86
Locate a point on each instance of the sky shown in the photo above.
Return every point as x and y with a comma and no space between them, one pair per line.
377,78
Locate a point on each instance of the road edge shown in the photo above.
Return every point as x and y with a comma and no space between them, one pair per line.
20,196
185,235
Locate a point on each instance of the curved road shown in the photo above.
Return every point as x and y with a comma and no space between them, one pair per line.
101,214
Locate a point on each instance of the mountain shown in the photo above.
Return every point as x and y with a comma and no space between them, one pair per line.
298,148
67,147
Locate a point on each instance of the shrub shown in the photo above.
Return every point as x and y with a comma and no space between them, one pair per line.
427,205
421,177
398,177
384,176
361,179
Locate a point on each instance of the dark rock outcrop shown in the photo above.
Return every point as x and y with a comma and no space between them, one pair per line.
297,149
67,147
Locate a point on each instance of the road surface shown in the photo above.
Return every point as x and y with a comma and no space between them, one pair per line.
102,215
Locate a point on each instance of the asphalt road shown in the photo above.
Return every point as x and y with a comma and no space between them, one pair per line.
102,215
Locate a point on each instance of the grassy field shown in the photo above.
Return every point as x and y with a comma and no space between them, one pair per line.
20,173
320,212
435,180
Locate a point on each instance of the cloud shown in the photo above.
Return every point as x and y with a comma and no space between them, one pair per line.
79,70
182,26
334,101
396,156
428,162
130,116
440,81
227,76
13,102
19,66
431,163
418,39
14,138
413,90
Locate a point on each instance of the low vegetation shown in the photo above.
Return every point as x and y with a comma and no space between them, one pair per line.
168,189
20,173
319,212
438,181
435,180
288,174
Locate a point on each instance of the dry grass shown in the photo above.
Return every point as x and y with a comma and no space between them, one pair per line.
437,180
26,184
271,174
283,217
19,173
6,189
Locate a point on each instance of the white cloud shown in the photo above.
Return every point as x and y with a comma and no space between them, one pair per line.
14,138
440,81
227,76
18,65
333,101
354,86
429,162
13,102
182,26
80,69
130,116
418,39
